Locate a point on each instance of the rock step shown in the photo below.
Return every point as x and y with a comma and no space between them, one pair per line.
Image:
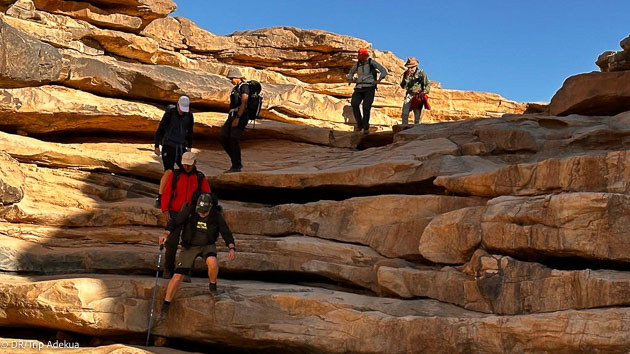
263,315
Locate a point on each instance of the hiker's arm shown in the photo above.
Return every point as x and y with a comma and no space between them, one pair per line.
224,229
189,135
159,133
426,84
352,71
166,194
241,109
181,217
382,70
403,82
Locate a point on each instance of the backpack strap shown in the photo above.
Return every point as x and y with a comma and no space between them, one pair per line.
200,177
198,191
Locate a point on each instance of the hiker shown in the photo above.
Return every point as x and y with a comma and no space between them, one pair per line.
183,186
236,122
365,89
202,222
416,85
175,134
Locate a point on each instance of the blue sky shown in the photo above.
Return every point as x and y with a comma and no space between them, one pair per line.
522,50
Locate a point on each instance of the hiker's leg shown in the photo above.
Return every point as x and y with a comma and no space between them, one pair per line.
225,137
179,152
213,268
168,157
172,286
368,99
417,113
172,240
355,102
405,109
235,146
163,180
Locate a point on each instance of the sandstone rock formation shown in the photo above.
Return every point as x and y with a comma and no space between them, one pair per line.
25,61
304,319
505,234
597,93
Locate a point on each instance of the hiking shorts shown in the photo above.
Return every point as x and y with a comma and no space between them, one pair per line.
172,155
186,257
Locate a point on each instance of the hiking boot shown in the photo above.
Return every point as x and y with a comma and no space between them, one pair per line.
158,201
187,278
233,170
213,289
167,274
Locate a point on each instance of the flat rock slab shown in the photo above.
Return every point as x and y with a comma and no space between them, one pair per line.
266,315
126,250
593,172
503,285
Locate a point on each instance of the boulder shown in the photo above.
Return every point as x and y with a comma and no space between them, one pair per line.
26,61
591,226
452,237
595,93
503,285
603,60
11,180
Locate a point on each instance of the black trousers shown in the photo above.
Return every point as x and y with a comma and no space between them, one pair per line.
365,95
230,137
172,241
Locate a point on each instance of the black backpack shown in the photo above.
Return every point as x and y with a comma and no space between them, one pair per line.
254,102
196,194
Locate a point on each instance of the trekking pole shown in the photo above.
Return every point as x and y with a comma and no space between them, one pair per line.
154,293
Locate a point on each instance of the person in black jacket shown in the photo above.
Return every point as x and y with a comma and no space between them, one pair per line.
202,224
175,134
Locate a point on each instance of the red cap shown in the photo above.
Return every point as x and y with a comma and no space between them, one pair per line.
363,52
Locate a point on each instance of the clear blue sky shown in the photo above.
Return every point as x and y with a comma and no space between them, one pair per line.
522,50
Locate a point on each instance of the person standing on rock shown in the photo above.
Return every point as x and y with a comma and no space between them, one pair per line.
416,85
365,89
237,119
202,223
183,187
175,134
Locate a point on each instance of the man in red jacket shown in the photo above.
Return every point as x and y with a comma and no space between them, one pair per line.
189,184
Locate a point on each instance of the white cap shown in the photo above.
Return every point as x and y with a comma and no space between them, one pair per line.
184,103
189,158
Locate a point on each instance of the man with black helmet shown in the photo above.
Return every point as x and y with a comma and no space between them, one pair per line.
202,224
